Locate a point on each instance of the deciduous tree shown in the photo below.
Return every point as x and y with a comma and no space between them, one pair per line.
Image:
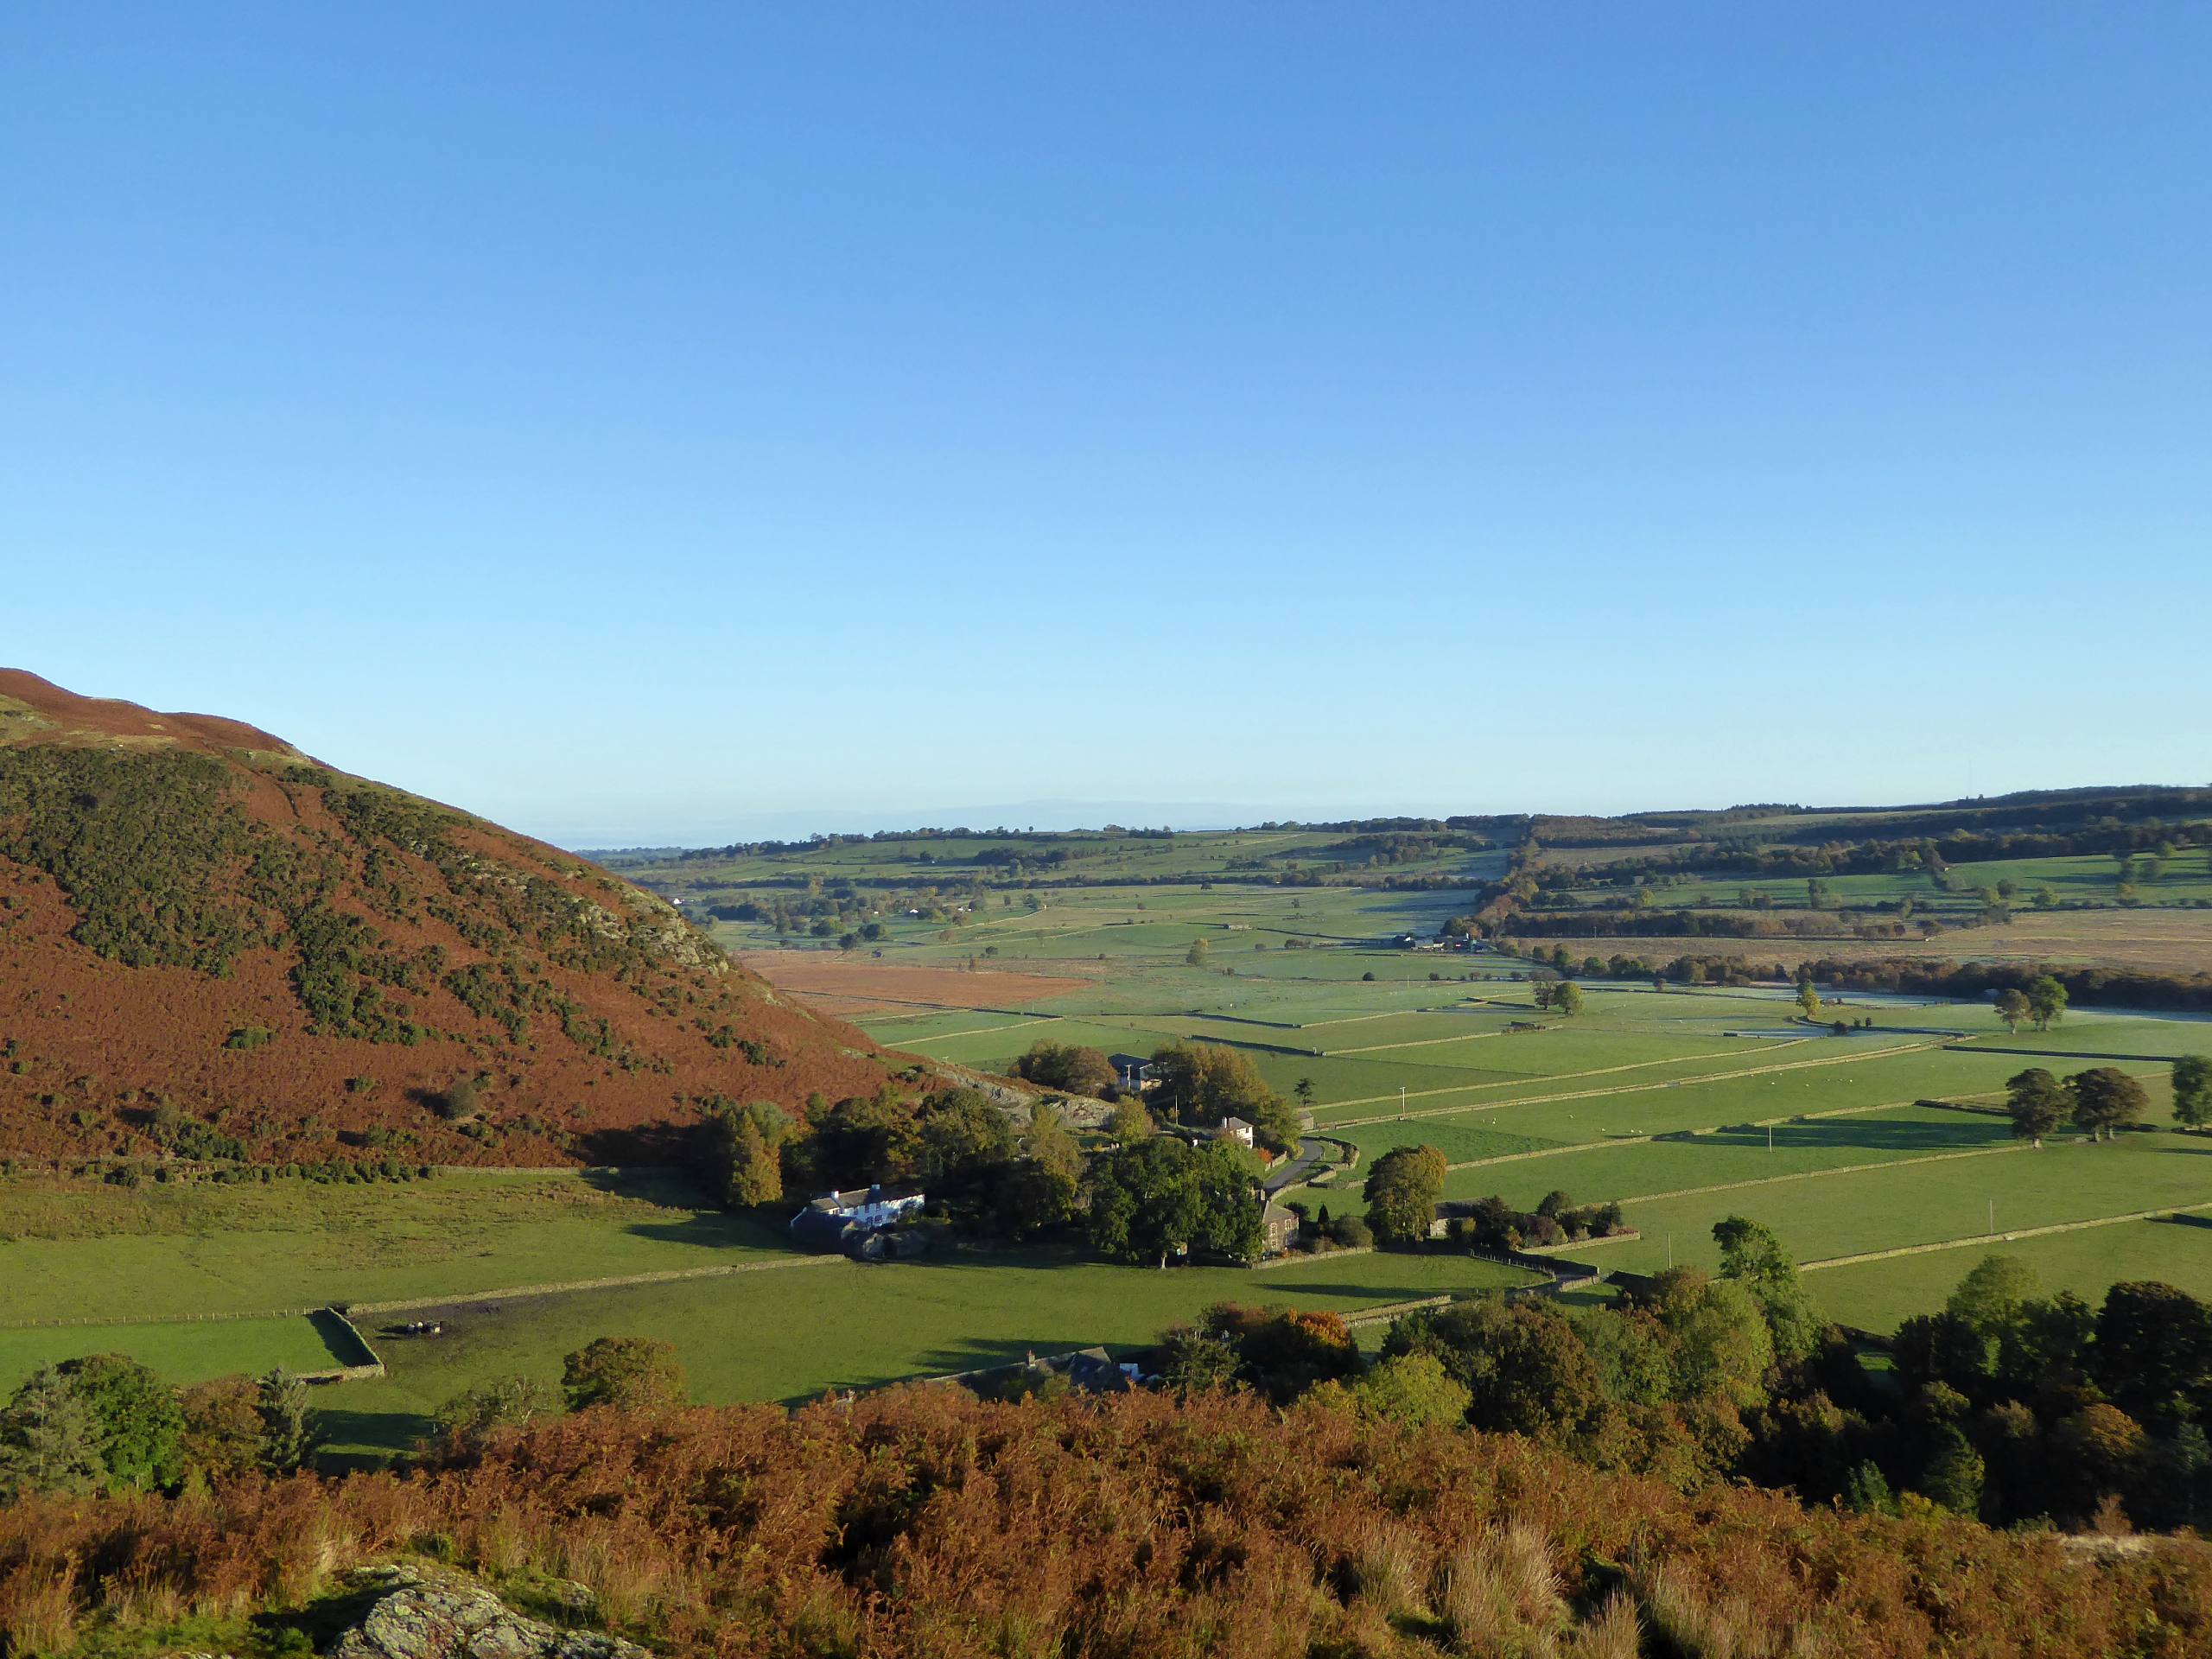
629,1373
1403,1190
2106,1100
2192,1080
2038,1103
138,1427
471,1417
1753,1256
2046,1001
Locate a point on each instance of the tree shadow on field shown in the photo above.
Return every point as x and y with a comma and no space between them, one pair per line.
662,1146
365,1439
713,1229
1847,1135
1280,1286
979,1354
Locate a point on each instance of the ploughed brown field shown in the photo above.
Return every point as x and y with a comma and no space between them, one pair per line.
590,1018
839,984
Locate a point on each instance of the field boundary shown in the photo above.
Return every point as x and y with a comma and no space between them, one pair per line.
1508,1083
2004,1238
362,1370
1970,1046
1685,1136
401,1305
1622,1088
1815,1174
662,1277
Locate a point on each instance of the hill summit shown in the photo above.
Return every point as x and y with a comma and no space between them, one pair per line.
213,945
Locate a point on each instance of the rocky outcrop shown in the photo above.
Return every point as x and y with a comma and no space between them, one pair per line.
418,1613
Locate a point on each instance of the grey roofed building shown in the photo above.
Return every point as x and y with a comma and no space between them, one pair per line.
1130,1069
831,1221
1096,1371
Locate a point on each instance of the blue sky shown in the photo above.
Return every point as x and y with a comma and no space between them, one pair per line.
683,422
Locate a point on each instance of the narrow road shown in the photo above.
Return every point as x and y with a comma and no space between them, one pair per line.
1311,1154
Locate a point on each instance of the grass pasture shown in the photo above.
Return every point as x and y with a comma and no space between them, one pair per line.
84,1250
1888,1206
749,1338
1876,1295
1654,1098
182,1351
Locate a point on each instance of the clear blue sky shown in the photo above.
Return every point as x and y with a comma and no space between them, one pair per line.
650,422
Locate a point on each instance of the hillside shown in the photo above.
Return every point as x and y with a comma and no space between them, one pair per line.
212,944
921,1522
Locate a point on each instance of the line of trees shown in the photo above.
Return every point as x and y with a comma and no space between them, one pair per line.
957,1144
2102,1100
106,1423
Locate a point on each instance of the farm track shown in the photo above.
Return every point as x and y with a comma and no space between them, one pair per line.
1592,1094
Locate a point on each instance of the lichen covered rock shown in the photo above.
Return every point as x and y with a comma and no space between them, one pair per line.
419,1614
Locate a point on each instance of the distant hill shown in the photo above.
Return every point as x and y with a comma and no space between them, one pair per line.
212,944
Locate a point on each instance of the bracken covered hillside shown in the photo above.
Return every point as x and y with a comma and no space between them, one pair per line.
212,946
923,1522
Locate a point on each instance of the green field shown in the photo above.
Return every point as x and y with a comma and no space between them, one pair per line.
1884,1208
82,1249
183,1351
1646,1097
790,1336
1876,1295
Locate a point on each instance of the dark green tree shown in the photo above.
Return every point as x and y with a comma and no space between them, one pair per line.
2192,1079
137,1426
288,1432
1752,1257
1196,1361
2046,1001
630,1373
49,1442
1153,1198
1523,1367
1954,1475
2038,1103
1403,1189
2154,1348
966,1142
2106,1100
471,1417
